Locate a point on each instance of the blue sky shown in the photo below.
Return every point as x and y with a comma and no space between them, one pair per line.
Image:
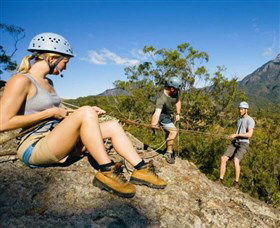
106,36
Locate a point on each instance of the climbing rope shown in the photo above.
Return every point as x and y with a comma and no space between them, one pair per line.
2,142
128,121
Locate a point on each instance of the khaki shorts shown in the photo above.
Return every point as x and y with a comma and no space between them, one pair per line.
166,123
237,150
41,154
168,127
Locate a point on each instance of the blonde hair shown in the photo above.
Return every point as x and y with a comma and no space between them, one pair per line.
25,64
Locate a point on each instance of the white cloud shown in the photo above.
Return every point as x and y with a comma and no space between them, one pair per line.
267,52
96,58
119,60
106,55
256,28
255,25
272,49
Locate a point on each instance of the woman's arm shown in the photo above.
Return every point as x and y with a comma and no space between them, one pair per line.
15,93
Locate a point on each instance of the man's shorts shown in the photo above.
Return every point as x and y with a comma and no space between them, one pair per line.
41,154
166,122
237,149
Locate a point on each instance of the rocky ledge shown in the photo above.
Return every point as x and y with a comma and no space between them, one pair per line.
65,197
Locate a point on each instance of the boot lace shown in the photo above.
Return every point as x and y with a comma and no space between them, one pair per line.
152,169
118,173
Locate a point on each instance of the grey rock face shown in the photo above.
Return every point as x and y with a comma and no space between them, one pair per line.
65,197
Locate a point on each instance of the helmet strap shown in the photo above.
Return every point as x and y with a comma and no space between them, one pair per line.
54,65
59,71
35,55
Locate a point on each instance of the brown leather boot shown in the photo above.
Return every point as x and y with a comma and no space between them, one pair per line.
220,181
147,176
114,181
170,157
236,184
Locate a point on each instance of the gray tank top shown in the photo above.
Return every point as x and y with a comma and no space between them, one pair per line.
41,101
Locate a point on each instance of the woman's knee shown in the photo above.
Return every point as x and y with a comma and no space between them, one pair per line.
87,112
114,126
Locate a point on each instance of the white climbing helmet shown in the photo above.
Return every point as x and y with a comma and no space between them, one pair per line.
243,104
174,82
50,42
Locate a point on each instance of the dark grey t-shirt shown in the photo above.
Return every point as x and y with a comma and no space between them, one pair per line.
166,103
243,124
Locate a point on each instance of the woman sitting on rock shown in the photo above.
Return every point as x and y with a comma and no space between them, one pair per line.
30,98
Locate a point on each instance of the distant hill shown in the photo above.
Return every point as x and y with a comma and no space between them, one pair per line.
113,92
263,85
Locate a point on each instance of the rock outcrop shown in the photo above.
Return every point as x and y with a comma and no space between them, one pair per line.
65,197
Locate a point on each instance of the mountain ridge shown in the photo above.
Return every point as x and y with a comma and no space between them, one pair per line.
262,86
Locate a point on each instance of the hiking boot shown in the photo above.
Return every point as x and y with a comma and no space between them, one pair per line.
147,176
236,184
220,181
170,157
114,181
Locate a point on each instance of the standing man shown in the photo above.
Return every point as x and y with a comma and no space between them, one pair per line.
240,142
164,109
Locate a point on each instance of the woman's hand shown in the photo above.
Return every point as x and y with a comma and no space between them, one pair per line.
58,113
99,110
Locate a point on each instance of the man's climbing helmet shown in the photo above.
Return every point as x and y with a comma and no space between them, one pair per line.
243,104
174,82
50,42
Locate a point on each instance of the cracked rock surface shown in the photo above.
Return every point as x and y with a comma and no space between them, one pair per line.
65,197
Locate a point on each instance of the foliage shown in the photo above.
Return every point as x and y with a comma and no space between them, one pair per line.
183,62
208,114
204,106
6,61
260,167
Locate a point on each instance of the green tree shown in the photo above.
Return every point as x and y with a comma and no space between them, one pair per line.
184,62
6,59
201,107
